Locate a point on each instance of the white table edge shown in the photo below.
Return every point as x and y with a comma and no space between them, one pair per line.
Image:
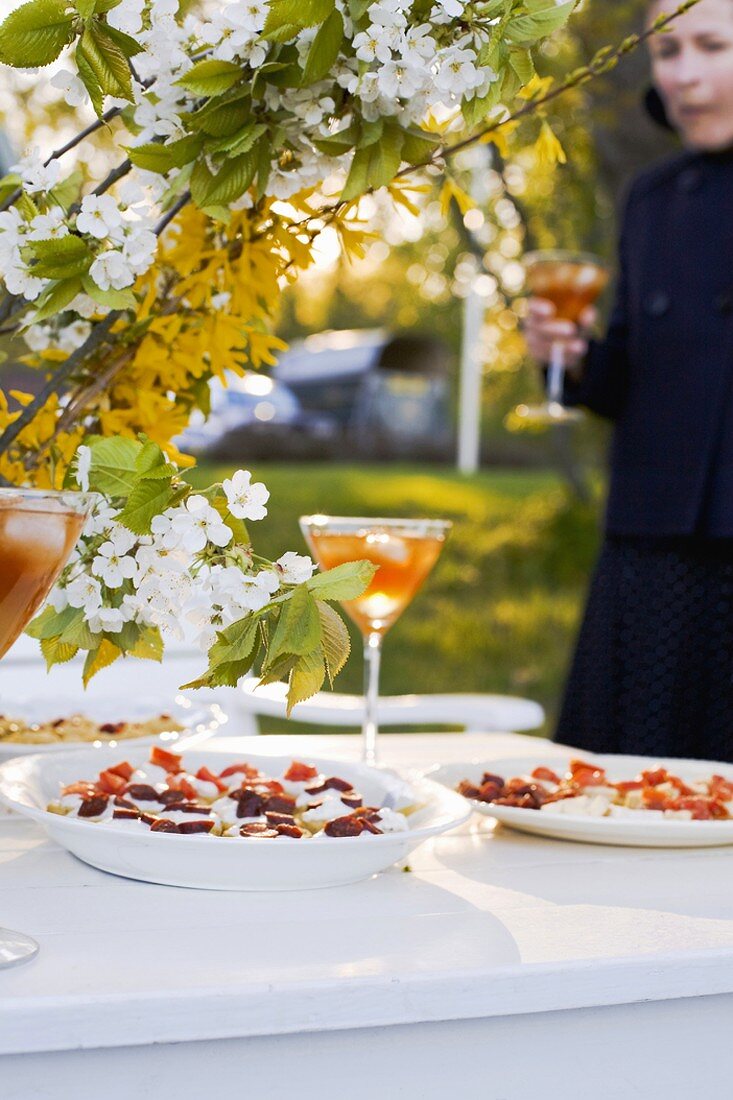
85,1022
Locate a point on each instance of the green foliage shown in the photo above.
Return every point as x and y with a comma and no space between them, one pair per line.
211,77
63,258
287,17
35,33
324,48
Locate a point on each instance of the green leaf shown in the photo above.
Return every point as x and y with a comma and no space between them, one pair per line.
418,146
287,17
324,48
210,77
278,670
151,461
241,142
113,299
78,633
343,582
35,33
523,65
27,207
51,623
185,149
542,21
85,8
357,180
231,181
371,131
146,499
306,678
127,44
358,8
113,467
67,191
97,659
8,184
152,157
106,61
298,628
89,80
223,118
231,656
149,646
57,652
62,258
335,640
56,297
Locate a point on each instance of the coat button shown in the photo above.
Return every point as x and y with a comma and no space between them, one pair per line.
689,180
657,303
723,302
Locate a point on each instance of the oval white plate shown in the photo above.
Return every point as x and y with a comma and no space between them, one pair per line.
648,832
199,721
29,783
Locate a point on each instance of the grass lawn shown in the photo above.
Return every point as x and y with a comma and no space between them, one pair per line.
500,610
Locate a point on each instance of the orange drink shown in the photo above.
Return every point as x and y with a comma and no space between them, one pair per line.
405,550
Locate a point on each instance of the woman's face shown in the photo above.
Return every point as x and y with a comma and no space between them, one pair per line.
692,68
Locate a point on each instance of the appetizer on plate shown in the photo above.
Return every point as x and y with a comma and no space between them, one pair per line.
241,800
82,729
585,790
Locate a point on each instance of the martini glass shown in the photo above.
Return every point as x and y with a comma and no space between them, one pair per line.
38,531
405,550
572,281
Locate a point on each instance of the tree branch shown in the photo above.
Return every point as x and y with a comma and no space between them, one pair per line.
57,382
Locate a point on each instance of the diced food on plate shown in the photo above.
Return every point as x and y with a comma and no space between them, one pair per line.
81,728
239,800
585,789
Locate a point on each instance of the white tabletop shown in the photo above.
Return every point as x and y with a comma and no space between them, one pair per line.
487,923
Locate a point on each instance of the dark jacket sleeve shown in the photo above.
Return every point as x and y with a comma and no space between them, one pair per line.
603,385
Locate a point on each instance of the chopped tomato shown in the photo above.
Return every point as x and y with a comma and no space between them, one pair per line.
657,800
547,774
111,783
653,778
700,808
209,777
629,785
170,761
271,785
82,787
679,784
124,769
298,772
585,775
181,783
721,788
246,769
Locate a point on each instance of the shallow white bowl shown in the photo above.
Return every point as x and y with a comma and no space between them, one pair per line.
199,721
29,783
648,832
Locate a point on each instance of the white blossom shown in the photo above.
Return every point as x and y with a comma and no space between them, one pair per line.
245,500
98,216
111,271
69,83
196,522
48,227
85,592
295,568
82,466
36,175
127,16
113,566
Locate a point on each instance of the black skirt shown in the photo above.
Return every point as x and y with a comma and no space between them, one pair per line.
653,668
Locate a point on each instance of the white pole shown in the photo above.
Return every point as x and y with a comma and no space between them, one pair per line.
469,406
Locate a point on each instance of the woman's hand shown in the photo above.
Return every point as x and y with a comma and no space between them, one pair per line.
542,329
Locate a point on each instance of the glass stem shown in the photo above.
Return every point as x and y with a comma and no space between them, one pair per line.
370,725
556,374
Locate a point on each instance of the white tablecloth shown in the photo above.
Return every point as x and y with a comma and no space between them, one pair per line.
498,945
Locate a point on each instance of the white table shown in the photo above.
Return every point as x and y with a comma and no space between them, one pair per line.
510,966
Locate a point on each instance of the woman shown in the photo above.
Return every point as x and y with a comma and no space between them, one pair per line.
653,670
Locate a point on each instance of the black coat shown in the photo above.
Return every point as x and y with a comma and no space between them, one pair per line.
664,373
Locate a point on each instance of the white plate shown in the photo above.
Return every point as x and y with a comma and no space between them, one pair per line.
648,832
29,783
199,722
